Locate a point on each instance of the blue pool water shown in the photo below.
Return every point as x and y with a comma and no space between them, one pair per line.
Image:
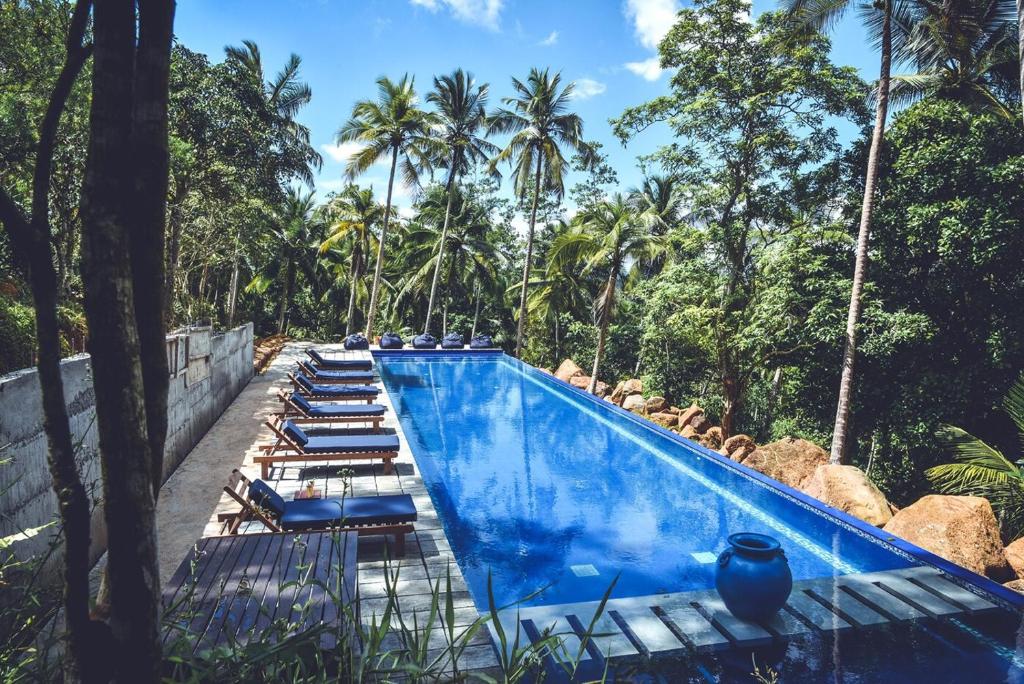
542,488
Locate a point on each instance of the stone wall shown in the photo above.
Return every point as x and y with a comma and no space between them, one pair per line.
207,370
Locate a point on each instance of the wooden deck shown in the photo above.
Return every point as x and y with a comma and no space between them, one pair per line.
232,588
699,621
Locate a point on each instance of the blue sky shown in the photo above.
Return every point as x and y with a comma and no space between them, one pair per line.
607,46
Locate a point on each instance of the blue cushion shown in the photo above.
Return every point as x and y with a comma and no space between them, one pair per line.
424,341
390,340
344,410
336,390
302,402
360,510
452,340
339,444
339,364
295,432
356,341
265,497
320,373
481,341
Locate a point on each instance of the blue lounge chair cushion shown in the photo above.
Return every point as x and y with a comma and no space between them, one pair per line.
356,341
424,341
393,509
320,373
336,390
336,410
339,444
390,340
295,432
339,364
265,497
452,340
481,341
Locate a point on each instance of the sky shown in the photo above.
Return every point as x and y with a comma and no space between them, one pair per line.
607,47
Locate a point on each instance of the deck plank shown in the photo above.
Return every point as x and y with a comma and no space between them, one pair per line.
695,627
853,610
741,632
881,600
952,591
922,599
815,613
650,631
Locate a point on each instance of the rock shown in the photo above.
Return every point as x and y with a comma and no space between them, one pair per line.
633,386
689,414
1017,585
712,438
568,370
848,489
601,389
634,403
739,454
618,394
656,405
688,432
961,529
789,460
1015,557
735,442
674,409
581,381
664,419
699,423
546,370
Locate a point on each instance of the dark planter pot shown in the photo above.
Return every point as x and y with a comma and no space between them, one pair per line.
753,576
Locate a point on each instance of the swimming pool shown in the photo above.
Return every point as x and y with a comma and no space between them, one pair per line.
544,488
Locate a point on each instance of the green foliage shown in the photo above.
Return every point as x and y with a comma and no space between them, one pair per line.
17,335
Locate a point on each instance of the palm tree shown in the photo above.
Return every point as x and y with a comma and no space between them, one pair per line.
298,235
557,289
540,121
615,238
393,125
355,214
982,470
461,107
879,17
962,51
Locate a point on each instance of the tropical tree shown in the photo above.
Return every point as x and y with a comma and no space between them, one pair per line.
461,111
963,51
541,123
615,239
354,216
983,470
392,125
879,18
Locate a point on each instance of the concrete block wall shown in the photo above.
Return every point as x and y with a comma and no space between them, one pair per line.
208,370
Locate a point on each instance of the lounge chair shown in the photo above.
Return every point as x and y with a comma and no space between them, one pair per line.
452,340
323,363
481,341
356,341
390,340
302,411
313,391
335,377
292,444
424,341
367,515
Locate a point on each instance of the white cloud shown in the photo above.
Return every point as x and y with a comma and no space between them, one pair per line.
341,152
651,20
481,12
649,69
552,39
331,185
586,88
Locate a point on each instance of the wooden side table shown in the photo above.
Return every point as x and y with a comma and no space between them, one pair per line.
304,494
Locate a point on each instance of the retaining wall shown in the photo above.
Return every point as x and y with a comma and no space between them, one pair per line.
207,371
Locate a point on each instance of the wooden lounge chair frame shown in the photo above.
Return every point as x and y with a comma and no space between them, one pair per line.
293,412
238,489
327,380
368,398
287,450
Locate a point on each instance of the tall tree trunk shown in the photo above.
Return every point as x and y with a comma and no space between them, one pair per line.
476,308
173,257
602,334
123,206
440,249
731,398
87,654
444,321
841,429
354,275
1020,49
521,327
558,341
375,292
286,296
233,288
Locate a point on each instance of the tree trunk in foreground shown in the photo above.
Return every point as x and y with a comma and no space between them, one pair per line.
375,292
602,335
440,251
841,429
521,327
123,207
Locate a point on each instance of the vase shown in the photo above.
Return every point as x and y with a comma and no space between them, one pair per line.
753,577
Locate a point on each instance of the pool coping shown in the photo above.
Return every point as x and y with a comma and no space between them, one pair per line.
1008,596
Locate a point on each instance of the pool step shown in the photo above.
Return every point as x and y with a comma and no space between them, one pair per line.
699,621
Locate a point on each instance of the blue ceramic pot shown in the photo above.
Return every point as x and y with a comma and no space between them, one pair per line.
753,576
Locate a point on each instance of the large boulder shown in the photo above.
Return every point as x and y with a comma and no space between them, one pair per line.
712,438
583,382
849,489
700,424
737,442
688,432
689,414
546,370
664,419
961,529
634,403
633,386
1015,557
656,405
568,370
789,460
